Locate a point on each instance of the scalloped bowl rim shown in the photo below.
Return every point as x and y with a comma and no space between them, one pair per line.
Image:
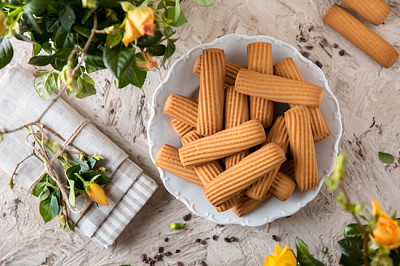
241,221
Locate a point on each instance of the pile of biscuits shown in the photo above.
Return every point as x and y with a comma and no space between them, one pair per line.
225,148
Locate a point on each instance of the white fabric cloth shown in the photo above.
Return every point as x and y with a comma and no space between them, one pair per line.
129,189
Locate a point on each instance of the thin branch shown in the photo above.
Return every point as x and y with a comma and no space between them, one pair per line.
358,221
11,182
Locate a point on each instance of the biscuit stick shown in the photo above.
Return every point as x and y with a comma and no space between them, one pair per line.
180,127
302,147
211,92
168,159
282,187
245,205
287,68
231,71
259,59
237,178
278,89
278,134
209,171
360,35
222,144
236,113
182,108
375,11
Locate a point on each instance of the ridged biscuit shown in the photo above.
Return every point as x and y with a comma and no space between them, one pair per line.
182,108
168,159
240,176
302,147
245,205
180,127
211,93
222,144
287,168
278,134
278,89
375,11
189,137
360,35
282,187
231,71
236,113
259,59
287,68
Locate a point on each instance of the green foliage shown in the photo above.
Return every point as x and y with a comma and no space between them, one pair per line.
203,2
303,255
351,248
386,157
46,84
6,51
352,230
338,174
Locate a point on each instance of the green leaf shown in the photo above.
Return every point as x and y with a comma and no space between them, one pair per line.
386,157
49,208
168,32
59,64
352,230
6,51
85,87
348,261
147,40
203,2
52,24
303,255
44,194
82,30
95,61
351,247
30,20
40,60
40,185
139,76
46,85
62,53
101,180
113,39
64,39
108,3
177,11
47,47
36,49
118,59
36,7
171,15
67,17
169,51
71,192
156,50
23,38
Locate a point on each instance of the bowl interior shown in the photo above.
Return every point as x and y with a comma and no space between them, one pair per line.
181,81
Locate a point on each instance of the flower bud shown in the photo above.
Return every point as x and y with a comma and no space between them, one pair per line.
96,193
3,27
139,22
63,222
147,63
176,226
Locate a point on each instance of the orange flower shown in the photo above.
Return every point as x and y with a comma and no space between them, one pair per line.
3,27
139,22
387,231
281,257
147,63
96,193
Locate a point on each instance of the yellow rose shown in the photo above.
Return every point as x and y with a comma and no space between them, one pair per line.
139,22
387,231
96,193
281,257
147,63
3,27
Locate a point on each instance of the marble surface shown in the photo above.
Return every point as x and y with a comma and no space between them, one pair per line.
368,96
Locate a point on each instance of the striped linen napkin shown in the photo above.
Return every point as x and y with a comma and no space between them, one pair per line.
129,189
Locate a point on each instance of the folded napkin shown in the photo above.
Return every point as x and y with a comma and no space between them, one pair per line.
129,189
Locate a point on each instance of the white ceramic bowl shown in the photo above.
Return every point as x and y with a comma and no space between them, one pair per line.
181,81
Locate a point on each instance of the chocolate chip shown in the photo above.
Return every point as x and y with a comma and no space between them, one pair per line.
215,237
179,263
158,257
198,240
305,54
276,238
187,217
318,63
335,45
203,242
309,47
220,225
143,257
302,39
226,239
202,263
152,263
161,249
177,251
324,42
168,253
342,52
166,239
233,239
310,28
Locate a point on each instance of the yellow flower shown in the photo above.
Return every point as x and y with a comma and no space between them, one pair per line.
96,193
147,63
281,257
387,231
3,27
139,22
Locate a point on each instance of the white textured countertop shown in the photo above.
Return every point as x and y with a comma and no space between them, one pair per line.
368,94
